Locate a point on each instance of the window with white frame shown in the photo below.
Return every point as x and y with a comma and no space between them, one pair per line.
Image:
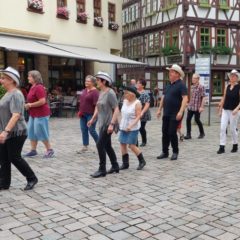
151,6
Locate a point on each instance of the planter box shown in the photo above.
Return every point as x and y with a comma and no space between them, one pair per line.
62,16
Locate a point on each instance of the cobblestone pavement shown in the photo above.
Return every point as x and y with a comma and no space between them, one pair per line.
196,197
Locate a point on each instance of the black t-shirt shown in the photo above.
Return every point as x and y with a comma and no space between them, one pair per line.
232,97
173,98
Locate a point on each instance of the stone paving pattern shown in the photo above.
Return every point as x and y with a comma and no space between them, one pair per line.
196,197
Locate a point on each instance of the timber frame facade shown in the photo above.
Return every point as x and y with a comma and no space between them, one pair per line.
163,32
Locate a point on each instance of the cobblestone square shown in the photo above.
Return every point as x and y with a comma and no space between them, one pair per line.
195,197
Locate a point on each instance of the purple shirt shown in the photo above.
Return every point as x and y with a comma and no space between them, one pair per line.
88,101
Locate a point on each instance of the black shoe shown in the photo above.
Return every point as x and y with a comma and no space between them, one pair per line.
113,170
143,145
188,137
221,149
234,148
31,183
98,174
174,156
162,155
4,188
202,135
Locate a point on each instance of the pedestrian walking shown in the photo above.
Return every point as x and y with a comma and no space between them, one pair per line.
156,96
88,101
228,109
145,113
39,113
107,112
195,106
129,127
173,103
13,131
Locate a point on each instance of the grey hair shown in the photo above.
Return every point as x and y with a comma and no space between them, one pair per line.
36,75
196,75
92,78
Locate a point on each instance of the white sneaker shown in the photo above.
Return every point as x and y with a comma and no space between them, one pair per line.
83,150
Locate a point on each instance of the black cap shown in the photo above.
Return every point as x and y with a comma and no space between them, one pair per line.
133,90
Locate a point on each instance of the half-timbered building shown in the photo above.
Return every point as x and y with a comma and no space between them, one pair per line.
163,32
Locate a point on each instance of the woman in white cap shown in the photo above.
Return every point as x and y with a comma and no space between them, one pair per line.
13,131
107,112
39,112
129,127
228,109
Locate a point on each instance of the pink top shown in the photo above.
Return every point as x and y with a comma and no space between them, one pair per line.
36,93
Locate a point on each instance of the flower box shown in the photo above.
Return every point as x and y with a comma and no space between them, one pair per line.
63,13
82,17
113,26
35,6
98,21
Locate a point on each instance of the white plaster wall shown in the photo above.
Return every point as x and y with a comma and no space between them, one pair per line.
14,16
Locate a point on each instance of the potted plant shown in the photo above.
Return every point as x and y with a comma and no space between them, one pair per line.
36,5
204,50
98,21
113,26
170,50
221,50
63,12
82,17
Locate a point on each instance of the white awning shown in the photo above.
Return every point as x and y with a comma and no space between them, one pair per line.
93,54
32,46
59,50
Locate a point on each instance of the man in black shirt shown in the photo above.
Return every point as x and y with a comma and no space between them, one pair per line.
173,102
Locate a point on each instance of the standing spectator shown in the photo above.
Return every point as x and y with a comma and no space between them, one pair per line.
228,109
173,103
129,127
156,95
133,82
39,112
145,114
13,131
88,101
195,106
107,111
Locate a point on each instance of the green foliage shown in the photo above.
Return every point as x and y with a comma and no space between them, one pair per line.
167,51
221,50
2,91
205,50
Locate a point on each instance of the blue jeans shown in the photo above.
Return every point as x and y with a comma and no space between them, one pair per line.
84,128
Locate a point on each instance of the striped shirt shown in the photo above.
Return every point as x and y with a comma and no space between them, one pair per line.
197,93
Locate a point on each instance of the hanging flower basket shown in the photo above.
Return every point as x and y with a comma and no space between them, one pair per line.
82,17
62,12
35,5
98,21
113,26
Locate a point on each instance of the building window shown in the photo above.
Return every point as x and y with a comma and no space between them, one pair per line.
221,37
97,8
130,14
35,6
217,84
166,4
205,37
81,13
62,10
111,12
223,3
151,6
171,38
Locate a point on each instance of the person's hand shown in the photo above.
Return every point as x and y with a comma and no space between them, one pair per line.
90,122
159,113
3,137
27,106
110,129
201,109
179,116
235,111
128,129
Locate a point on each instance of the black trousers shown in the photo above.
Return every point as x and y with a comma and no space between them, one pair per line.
143,132
104,146
197,120
10,152
169,134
